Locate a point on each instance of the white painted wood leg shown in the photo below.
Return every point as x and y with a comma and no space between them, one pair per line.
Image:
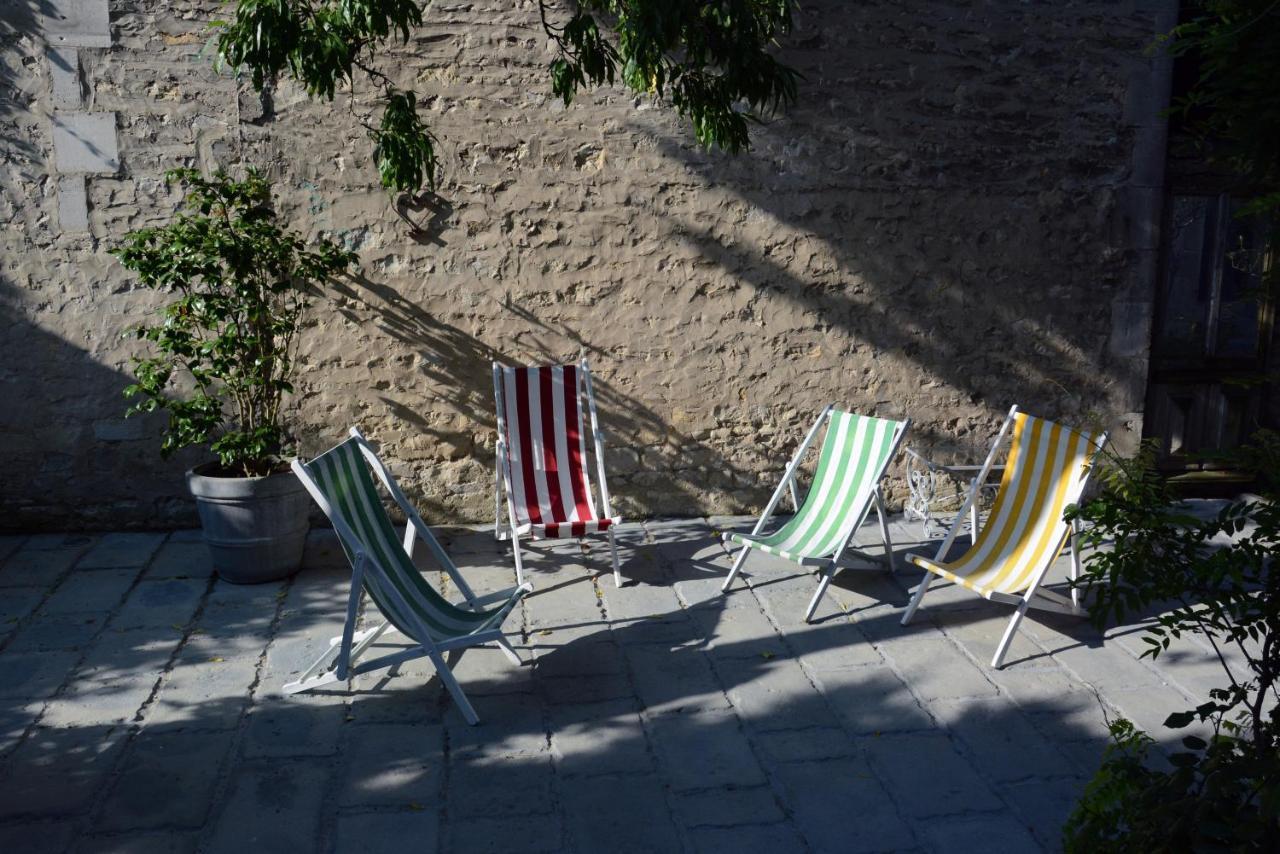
824,581
455,690
511,654
613,547
998,659
737,565
884,533
917,596
515,548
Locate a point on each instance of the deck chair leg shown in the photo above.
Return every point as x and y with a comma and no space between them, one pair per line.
511,654
737,565
455,690
884,533
824,581
1074,537
998,659
973,512
613,547
917,596
515,549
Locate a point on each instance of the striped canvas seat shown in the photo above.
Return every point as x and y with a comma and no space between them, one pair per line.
547,453
1026,530
855,454
853,457
382,566
343,477
542,458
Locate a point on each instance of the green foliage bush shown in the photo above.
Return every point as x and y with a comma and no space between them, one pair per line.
225,345
1214,579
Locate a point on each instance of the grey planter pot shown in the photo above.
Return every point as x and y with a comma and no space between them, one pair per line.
255,527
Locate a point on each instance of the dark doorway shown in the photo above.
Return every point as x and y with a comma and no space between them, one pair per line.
1209,387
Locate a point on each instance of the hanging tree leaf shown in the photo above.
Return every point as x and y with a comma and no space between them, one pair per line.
709,58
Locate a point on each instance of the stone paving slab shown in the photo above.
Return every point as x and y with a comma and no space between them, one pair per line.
141,707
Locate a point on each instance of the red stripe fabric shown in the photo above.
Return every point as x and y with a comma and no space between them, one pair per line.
524,425
573,426
547,451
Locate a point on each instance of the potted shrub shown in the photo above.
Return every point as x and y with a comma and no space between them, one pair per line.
222,357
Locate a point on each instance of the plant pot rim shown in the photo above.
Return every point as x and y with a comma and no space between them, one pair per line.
203,470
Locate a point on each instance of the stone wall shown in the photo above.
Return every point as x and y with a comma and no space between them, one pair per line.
956,217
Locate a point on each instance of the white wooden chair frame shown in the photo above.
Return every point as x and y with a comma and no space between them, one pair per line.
828,568
344,650
502,480
1034,596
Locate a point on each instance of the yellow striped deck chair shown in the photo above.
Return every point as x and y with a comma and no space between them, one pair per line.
855,453
1047,470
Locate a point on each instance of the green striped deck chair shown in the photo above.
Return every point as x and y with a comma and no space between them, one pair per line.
855,454
382,566
1048,469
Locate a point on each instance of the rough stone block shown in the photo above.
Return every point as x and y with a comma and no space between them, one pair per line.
388,833
748,839
731,805
973,834
31,566
937,670
91,592
482,784
34,674
534,834
774,694
160,604
85,142
840,806
1001,740
601,738
872,700
393,765
79,23
58,772
73,206
289,727
703,750
928,776
121,551
275,807
594,823
675,680
166,780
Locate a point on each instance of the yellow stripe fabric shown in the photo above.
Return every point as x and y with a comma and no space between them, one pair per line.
1025,530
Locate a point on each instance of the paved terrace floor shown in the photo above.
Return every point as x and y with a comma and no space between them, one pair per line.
140,709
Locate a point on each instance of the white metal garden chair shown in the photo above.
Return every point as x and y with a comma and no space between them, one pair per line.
855,453
542,458
1047,470
382,565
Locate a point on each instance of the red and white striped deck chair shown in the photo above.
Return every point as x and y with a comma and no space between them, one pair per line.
542,458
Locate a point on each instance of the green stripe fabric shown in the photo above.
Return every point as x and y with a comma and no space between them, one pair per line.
854,455
342,475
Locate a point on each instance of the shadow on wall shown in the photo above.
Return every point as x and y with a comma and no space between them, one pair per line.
58,443
935,221
934,213
457,366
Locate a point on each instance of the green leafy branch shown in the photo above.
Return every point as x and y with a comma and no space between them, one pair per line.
712,60
225,345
